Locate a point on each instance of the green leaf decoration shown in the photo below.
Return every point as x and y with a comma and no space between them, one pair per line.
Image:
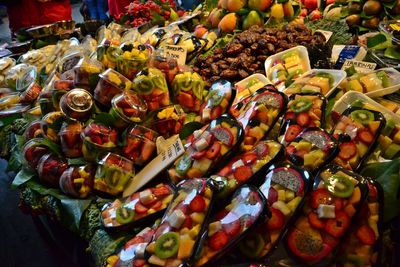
76,162
104,118
22,177
189,128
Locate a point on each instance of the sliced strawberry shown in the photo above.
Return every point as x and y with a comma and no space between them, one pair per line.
149,135
365,136
347,150
183,207
214,150
123,104
185,100
277,219
290,116
134,241
373,192
139,263
133,143
339,205
338,226
147,150
113,136
291,132
366,235
156,205
272,196
225,171
320,196
130,112
261,149
218,240
70,138
177,127
140,208
315,221
303,119
329,240
197,204
232,225
249,158
215,112
96,139
187,223
242,173
198,154
161,191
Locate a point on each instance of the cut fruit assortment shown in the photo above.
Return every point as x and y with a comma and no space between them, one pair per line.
167,121
50,168
127,108
77,104
50,125
77,181
132,58
188,90
71,140
32,151
218,100
87,73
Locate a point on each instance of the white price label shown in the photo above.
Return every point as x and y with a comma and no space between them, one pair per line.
360,66
177,52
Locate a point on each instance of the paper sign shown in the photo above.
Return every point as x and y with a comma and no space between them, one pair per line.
360,66
327,34
177,52
154,167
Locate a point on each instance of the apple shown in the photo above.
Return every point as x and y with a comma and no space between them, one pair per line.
311,4
316,15
303,12
259,5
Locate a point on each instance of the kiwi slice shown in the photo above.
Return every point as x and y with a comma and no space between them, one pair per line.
112,176
124,215
144,85
326,75
215,97
252,245
301,105
339,186
362,116
197,88
167,245
384,78
183,165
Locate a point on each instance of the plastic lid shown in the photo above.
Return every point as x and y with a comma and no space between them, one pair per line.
118,160
115,78
9,99
27,79
139,131
13,110
78,100
90,65
134,102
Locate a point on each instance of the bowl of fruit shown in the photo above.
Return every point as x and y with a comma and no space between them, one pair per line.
50,168
127,108
167,121
77,104
107,52
33,130
168,65
77,181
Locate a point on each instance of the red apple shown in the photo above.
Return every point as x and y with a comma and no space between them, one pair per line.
303,12
311,4
316,15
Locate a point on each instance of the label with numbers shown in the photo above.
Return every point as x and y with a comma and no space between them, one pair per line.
327,34
360,66
177,52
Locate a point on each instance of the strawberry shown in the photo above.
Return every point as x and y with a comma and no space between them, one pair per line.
147,150
221,214
272,196
184,208
242,173
303,119
188,223
277,219
156,205
161,191
366,235
225,171
139,263
197,204
218,240
96,139
365,136
214,150
290,149
291,132
315,221
339,205
347,150
123,104
149,135
140,208
130,112
290,116
185,100
231,224
249,158
373,192
320,196
199,154
134,241
216,112
338,226
301,153
177,127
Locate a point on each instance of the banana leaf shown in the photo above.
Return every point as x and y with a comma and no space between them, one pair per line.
22,177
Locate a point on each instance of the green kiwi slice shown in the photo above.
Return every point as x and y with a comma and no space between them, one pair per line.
362,116
301,105
339,186
124,215
252,245
183,165
167,245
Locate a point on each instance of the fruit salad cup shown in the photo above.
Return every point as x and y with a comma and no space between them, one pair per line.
311,149
284,187
122,214
327,215
188,90
46,102
260,115
107,53
247,166
206,149
356,131
110,84
71,139
113,173
77,181
178,234
32,151
218,100
140,144
169,66
51,124
87,73
127,108
31,93
304,110
98,139
167,121
133,57
33,130
77,104
231,224
50,168
150,84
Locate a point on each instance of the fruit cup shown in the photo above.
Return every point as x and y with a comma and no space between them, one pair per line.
217,101
127,108
50,168
259,116
51,124
71,139
16,72
77,181
166,121
140,145
32,151
169,66
113,173
107,53
304,110
357,131
31,93
178,234
28,86
231,224
33,130
247,166
9,100
327,215
122,214
133,57
188,90
110,84
206,149
98,139
284,187
46,102
150,84
311,149
77,104
87,73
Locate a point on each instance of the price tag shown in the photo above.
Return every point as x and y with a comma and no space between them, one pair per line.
360,66
177,52
154,167
327,34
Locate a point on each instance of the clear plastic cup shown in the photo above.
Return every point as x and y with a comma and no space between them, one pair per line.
77,104
127,108
140,144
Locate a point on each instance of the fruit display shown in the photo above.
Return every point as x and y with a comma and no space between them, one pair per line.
127,108
178,234
107,51
284,187
327,215
71,139
167,121
33,130
77,104
50,125
150,84
356,131
217,101
228,226
113,173
304,110
87,73
369,13
208,148
77,181
6,64
50,168
140,205
132,58
311,149
168,66
247,166
188,91
32,151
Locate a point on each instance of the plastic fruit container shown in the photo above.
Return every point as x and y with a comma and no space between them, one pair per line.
50,168
31,93
132,58
150,84
166,121
28,86
110,84
127,108
140,146
46,102
249,85
207,149
15,73
51,124
32,151
107,53
147,204
77,181
33,130
87,73
71,139
188,90
113,173
9,100
77,104
169,66
12,113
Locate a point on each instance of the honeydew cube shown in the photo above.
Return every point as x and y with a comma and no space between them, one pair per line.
201,144
326,211
146,196
176,219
